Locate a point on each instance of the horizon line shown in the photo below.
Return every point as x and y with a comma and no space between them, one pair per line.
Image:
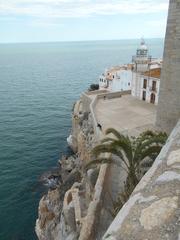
69,41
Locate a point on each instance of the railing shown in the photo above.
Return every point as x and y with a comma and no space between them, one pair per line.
141,59
153,89
96,92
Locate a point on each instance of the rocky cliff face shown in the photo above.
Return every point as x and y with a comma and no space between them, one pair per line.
47,225
61,210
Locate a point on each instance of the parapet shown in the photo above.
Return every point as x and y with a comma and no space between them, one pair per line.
153,212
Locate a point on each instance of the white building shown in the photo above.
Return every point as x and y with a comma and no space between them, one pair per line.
146,75
141,60
150,84
116,78
142,77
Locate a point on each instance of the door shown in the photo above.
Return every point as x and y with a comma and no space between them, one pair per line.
144,96
153,98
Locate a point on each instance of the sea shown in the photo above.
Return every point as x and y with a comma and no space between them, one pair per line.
39,83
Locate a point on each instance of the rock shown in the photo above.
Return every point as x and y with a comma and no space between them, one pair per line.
158,212
70,216
174,158
93,175
49,212
50,209
168,176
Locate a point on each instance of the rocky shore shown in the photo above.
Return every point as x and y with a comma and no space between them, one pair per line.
62,209
50,220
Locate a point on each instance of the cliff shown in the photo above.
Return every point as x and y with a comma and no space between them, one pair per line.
61,211
79,208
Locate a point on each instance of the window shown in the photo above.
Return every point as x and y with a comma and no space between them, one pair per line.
145,83
154,86
138,52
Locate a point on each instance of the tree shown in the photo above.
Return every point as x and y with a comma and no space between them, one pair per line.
134,154
94,87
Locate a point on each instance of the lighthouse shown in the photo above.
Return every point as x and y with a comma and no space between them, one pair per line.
141,59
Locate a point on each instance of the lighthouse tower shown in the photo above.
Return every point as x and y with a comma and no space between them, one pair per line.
141,63
141,59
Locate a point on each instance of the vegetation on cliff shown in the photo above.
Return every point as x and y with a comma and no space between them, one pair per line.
134,154
93,87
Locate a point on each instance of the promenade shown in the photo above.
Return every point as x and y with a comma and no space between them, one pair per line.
126,114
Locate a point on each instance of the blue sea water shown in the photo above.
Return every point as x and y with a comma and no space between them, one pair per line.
39,82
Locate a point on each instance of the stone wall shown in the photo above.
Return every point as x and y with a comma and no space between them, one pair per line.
153,210
169,99
97,215
86,102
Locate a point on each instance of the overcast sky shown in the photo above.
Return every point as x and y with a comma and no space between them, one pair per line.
76,20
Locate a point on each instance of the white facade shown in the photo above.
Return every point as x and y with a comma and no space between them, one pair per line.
142,77
103,83
136,84
150,89
146,85
122,83
146,76
116,79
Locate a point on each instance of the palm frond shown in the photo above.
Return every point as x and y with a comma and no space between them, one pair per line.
103,148
117,134
147,141
125,146
98,161
150,151
146,163
108,140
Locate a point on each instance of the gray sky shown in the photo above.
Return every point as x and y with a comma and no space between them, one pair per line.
69,20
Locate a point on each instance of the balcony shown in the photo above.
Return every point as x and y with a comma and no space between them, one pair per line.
141,59
153,89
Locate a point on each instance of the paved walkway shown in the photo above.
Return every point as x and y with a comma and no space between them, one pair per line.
125,114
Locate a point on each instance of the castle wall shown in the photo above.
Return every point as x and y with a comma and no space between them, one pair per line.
169,98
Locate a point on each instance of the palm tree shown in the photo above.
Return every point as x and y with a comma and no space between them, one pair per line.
135,154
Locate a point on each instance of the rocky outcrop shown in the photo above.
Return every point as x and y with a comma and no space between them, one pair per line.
61,211
51,223
49,212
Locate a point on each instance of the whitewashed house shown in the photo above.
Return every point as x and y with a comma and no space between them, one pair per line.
116,78
142,77
146,75
150,85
